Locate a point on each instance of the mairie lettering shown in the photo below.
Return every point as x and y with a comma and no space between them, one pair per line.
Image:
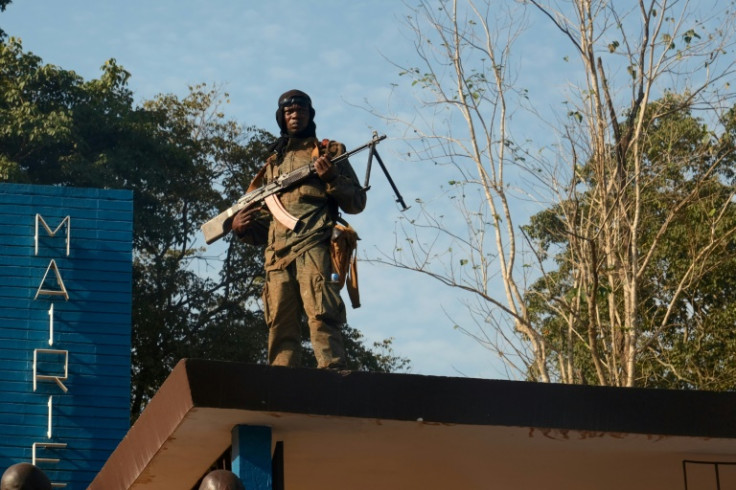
50,365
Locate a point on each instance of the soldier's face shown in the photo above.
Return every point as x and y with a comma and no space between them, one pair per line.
296,118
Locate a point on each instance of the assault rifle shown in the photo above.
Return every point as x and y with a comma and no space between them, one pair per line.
221,224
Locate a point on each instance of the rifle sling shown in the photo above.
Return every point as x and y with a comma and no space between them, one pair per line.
273,202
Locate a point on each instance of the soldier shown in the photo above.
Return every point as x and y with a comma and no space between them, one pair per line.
24,476
297,263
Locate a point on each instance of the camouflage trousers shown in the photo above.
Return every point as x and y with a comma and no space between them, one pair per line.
303,287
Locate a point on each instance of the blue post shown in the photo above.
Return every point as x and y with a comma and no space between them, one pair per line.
251,456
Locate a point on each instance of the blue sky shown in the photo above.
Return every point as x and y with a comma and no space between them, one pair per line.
340,52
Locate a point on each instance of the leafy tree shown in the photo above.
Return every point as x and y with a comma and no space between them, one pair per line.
686,311
377,358
3,6
611,176
184,161
185,303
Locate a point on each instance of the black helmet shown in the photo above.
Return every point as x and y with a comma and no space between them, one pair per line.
295,97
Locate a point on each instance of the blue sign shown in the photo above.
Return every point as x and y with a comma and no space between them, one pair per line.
65,328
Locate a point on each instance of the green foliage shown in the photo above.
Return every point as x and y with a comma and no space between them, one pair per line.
3,5
686,307
184,162
379,358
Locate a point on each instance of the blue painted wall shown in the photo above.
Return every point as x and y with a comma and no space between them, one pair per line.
93,326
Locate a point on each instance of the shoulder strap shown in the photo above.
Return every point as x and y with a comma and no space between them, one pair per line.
258,179
320,148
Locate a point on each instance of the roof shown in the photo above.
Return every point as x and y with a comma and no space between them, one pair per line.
377,430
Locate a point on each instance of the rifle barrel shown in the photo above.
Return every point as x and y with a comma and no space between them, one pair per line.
376,139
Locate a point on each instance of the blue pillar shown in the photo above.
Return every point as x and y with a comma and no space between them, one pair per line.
251,456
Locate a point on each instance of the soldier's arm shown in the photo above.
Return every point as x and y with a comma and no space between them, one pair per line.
344,187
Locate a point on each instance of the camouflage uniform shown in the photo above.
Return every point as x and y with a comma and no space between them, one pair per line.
297,263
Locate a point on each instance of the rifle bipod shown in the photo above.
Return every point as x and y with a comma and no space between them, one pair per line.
374,152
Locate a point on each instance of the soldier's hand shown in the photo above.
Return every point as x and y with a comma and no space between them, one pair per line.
244,219
325,169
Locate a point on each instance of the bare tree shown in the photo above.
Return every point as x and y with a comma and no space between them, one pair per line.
594,171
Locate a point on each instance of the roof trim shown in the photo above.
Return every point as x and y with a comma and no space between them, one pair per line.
195,385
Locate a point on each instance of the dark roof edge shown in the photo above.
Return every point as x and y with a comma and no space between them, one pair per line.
161,416
471,401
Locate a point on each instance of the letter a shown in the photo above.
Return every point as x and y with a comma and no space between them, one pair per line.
61,291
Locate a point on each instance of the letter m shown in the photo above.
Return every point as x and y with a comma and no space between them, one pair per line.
52,233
